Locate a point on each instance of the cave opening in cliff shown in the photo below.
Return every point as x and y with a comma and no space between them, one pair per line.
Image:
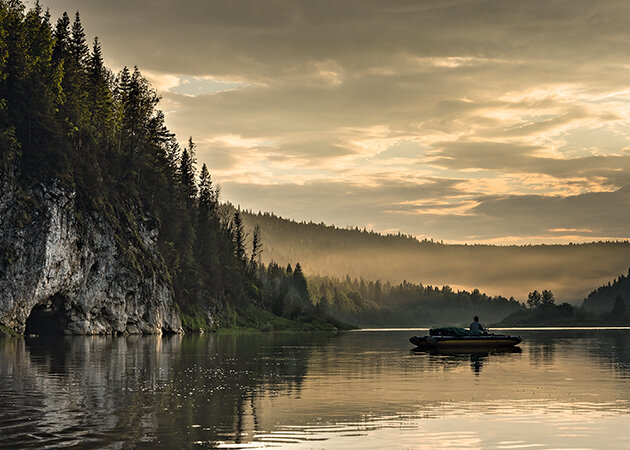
48,318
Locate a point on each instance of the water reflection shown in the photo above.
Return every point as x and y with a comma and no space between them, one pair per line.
476,357
66,390
324,390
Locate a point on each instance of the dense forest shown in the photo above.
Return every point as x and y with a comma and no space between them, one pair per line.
67,120
610,297
373,304
570,271
604,306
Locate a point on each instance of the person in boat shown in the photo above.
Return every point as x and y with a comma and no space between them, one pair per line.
477,326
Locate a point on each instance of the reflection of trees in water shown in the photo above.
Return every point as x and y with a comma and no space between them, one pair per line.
216,383
216,380
610,348
541,352
145,390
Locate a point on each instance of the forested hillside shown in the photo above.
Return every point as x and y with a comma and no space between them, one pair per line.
96,139
612,297
604,306
570,271
373,304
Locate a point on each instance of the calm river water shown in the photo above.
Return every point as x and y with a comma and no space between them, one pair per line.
365,389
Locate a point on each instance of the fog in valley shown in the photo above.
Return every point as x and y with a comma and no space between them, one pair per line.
570,271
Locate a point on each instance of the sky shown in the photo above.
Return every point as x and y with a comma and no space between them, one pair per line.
463,121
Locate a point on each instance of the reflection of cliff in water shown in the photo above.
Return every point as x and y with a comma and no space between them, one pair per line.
71,389
142,390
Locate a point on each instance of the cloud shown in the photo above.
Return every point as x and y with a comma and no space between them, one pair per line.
590,215
407,207
436,117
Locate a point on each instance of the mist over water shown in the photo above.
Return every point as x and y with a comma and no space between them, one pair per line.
367,389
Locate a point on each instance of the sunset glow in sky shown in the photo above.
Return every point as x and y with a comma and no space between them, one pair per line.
467,121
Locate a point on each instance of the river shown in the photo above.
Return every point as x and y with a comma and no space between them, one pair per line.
561,388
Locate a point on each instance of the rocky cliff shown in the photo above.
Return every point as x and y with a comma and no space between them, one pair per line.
65,271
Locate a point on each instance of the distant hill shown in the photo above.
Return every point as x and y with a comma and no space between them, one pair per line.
374,305
605,306
570,271
602,299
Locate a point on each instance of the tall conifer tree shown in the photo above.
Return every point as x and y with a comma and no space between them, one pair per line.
78,46
187,172
62,39
99,95
238,233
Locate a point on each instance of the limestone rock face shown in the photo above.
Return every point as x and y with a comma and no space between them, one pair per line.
63,272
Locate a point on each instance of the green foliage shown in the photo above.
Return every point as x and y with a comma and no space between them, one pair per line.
194,319
6,331
253,317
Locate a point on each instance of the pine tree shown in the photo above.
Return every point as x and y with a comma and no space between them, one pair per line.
257,246
99,95
70,53
77,45
299,281
192,152
37,9
9,146
172,153
121,95
238,236
207,200
47,18
61,49
27,93
187,173
137,115
207,224
95,64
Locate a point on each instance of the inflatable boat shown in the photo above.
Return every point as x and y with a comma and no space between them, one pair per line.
452,337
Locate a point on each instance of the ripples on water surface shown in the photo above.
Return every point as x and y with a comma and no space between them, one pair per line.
563,389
